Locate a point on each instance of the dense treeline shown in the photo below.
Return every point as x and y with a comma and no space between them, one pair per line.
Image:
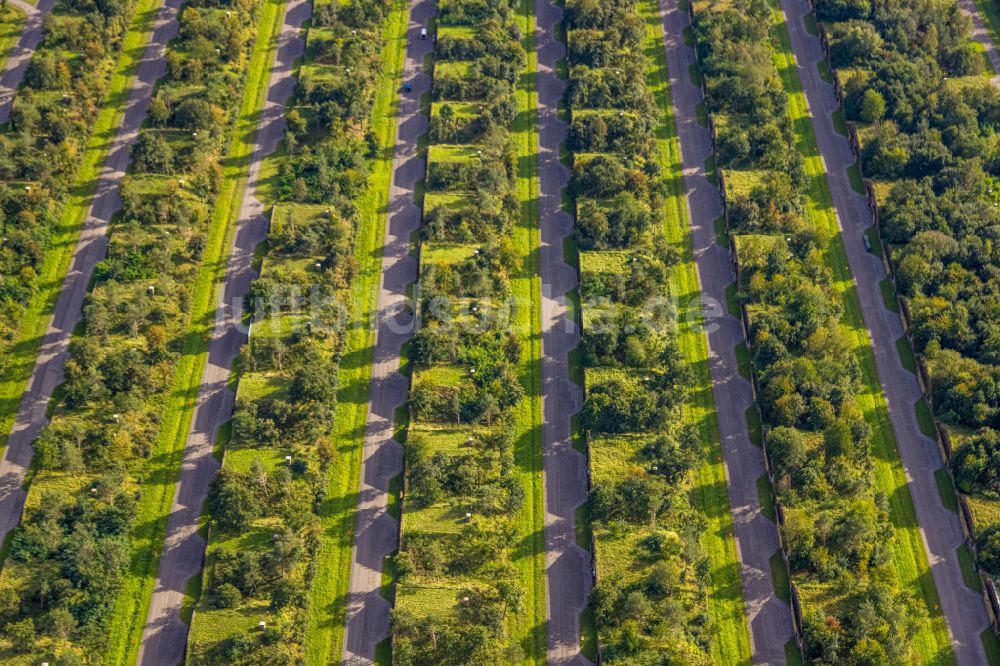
264,507
650,600
466,390
51,119
836,530
928,129
69,556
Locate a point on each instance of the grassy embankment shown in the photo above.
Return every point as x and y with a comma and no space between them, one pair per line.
912,570
732,638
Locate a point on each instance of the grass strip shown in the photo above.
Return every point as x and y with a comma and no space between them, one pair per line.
924,418
967,563
779,573
906,355
912,570
743,360
12,21
35,319
132,603
754,426
946,489
765,495
328,597
529,627
888,295
731,644
991,644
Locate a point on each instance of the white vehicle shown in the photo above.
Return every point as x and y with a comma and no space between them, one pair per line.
423,33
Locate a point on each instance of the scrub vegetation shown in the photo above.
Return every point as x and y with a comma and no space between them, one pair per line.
855,554
469,585
668,583
265,505
83,554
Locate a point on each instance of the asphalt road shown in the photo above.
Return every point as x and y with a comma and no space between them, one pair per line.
568,574
164,637
940,527
17,61
90,248
981,34
376,532
756,535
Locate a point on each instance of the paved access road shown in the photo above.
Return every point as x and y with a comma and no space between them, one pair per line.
164,637
756,535
940,527
568,574
90,248
376,532
17,60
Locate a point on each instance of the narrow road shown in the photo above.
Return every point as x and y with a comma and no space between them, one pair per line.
981,34
942,533
90,248
568,575
17,60
756,535
164,638
376,531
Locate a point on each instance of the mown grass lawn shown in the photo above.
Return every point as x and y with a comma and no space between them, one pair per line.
20,359
327,607
529,628
726,603
12,22
931,643
160,479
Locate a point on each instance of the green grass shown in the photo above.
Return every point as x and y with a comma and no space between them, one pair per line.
754,427
925,418
873,240
132,603
588,634
721,235
779,573
21,354
731,644
528,628
325,635
946,488
793,655
966,561
12,22
733,300
857,182
743,360
991,644
910,565
765,495
839,124
888,295
906,355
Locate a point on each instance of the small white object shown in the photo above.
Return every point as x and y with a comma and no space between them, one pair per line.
319,265
468,515
288,459
151,289
262,625
27,189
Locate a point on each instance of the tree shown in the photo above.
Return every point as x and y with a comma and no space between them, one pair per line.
21,634
872,106
231,500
